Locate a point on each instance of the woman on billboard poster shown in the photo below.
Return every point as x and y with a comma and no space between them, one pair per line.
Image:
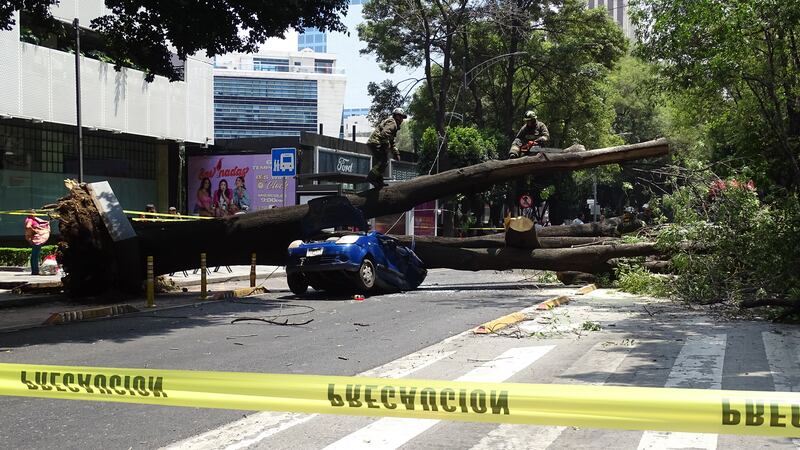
204,203
223,199
241,201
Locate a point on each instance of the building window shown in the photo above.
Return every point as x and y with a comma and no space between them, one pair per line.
252,107
314,39
323,66
52,148
271,64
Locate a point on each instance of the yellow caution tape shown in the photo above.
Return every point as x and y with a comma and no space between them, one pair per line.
173,216
27,212
184,219
635,408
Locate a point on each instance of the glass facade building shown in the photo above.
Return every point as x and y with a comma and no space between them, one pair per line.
36,158
314,39
262,107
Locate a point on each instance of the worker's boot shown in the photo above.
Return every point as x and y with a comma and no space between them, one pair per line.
375,180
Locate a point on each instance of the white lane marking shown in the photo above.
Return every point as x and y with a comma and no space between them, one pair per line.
391,432
783,356
698,365
259,426
593,368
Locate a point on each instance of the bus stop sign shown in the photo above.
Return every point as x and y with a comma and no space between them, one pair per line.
284,162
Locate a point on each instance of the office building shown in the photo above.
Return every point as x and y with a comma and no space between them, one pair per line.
133,129
277,94
356,119
618,10
360,69
314,40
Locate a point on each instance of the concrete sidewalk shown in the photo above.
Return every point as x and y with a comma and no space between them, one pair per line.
20,311
9,280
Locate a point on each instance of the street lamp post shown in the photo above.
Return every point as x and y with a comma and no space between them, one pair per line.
76,24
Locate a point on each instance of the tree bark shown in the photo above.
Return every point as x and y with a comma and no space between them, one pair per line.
89,258
498,241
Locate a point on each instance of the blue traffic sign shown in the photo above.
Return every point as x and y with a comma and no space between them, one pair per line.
284,162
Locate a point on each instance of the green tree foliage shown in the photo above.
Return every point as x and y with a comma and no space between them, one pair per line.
732,246
743,59
580,49
386,96
638,101
466,146
417,34
145,30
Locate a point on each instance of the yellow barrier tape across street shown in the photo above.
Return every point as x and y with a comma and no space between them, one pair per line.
634,408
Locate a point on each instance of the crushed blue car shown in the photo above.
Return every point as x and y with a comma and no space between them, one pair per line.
359,263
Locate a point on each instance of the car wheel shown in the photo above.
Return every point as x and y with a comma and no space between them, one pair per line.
366,275
297,283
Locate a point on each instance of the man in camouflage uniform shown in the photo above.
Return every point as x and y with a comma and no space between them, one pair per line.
381,142
532,134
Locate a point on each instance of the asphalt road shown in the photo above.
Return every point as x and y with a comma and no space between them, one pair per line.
203,338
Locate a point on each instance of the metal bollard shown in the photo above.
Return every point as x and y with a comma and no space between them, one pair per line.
151,284
253,270
203,279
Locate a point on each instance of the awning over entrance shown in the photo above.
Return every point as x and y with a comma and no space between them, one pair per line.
336,177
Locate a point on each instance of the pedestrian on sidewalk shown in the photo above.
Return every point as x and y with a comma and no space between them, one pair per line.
37,232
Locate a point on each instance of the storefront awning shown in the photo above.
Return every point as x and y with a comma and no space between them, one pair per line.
336,177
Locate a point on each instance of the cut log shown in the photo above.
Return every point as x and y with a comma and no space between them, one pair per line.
177,246
521,233
585,230
593,259
570,277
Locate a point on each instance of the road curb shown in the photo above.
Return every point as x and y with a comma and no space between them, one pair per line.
502,322
553,302
91,313
586,289
239,293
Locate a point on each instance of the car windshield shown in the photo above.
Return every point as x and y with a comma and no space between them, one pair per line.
332,212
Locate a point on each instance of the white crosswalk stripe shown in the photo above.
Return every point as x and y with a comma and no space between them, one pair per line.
593,368
391,433
698,365
783,356
257,427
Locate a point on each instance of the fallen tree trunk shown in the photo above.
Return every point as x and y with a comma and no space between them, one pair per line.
592,259
498,241
521,233
89,257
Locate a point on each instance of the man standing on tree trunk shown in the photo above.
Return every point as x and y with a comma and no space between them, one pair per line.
381,142
530,137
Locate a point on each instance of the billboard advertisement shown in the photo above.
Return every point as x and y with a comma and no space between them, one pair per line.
223,185
425,219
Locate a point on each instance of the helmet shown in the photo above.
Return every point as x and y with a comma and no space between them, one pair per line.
530,115
399,112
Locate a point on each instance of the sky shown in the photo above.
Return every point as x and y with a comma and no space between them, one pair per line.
359,69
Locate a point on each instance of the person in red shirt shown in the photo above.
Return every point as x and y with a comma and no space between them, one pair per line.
37,232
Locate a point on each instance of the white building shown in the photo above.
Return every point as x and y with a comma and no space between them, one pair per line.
356,118
132,128
277,94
